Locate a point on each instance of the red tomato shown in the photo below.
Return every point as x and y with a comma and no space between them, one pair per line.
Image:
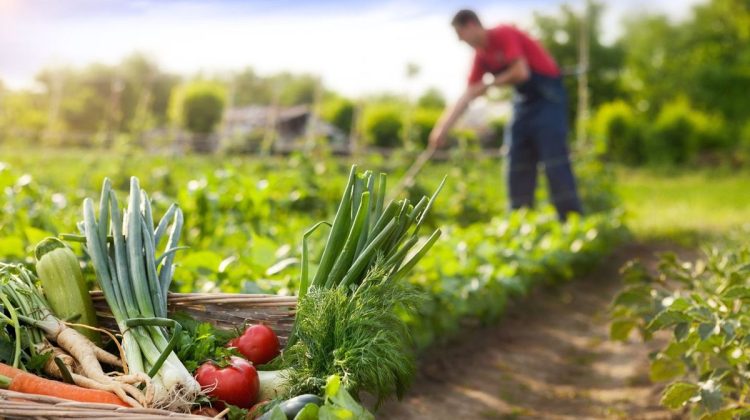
236,384
258,343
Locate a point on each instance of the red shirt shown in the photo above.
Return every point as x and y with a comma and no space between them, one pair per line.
506,44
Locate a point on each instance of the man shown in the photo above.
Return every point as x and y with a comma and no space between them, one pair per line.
538,130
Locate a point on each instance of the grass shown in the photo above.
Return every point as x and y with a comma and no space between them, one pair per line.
687,206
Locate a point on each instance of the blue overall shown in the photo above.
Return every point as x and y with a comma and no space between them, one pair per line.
538,133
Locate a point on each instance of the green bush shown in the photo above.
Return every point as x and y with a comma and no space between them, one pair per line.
744,142
497,133
198,106
382,125
340,113
423,120
618,133
679,133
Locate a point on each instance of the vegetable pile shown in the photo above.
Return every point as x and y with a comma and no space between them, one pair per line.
349,334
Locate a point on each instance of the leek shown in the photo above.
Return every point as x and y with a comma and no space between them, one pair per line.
135,283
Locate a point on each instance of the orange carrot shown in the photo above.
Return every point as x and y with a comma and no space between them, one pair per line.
9,371
32,384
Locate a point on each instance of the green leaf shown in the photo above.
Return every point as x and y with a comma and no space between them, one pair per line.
730,329
679,304
620,330
633,296
737,292
333,384
339,404
343,399
308,412
711,396
7,349
277,414
665,369
701,314
677,394
667,318
706,330
328,412
681,331
634,272
676,349
36,362
727,414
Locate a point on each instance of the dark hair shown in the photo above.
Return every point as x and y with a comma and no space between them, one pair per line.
464,17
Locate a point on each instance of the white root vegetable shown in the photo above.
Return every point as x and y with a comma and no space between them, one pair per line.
87,357
80,356
273,383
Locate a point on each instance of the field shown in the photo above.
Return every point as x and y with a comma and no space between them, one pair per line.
684,205
244,223
245,219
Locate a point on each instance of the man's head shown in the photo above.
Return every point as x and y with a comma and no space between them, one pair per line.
468,28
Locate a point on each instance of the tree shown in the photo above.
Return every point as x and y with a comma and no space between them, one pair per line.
703,59
560,34
251,89
295,89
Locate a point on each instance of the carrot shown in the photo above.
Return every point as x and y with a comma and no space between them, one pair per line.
9,371
32,384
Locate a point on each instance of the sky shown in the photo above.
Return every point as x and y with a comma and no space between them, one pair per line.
357,47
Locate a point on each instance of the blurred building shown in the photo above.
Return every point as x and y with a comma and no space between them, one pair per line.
285,129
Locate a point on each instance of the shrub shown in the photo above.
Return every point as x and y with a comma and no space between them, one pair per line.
744,142
618,133
198,106
678,133
496,133
340,113
423,121
382,125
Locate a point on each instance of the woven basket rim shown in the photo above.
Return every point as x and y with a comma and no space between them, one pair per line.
217,298
18,404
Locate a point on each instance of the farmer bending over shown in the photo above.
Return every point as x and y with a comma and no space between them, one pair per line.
538,129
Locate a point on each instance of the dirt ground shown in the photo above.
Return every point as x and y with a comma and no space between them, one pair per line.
549,358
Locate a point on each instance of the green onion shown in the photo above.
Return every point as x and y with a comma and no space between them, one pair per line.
366,230
135,283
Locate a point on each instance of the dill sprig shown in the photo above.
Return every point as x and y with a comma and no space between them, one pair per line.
359,336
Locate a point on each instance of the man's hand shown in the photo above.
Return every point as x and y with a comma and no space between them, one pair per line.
476,90
448,119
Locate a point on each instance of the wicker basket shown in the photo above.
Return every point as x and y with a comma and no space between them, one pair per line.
225,311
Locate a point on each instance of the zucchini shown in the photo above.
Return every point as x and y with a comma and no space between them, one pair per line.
63,285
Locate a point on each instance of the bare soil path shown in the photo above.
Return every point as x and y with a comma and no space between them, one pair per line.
549,358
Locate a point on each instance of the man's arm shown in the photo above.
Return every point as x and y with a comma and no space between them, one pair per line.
452,114
517,72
